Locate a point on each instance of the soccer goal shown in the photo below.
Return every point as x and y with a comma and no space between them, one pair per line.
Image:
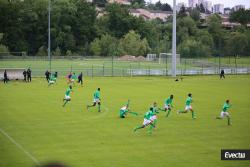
13,55
12,73
151,57
166,58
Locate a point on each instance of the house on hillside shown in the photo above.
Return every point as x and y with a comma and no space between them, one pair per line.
151,14
122,2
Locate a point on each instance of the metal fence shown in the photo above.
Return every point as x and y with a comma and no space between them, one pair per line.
113,66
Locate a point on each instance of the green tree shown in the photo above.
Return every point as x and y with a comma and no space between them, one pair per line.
138,3
132,44
193,48
100,3
186,27
57,52
215,29
195,14
242,16
237,43
182,12
205,38
42,51
105,46
119,20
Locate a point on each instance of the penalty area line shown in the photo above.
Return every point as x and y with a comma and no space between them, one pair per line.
20,147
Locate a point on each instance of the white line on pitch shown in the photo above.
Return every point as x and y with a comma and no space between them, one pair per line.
20,147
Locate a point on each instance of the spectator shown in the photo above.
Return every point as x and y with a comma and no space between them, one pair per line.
25,75
29,75
55,75
80,78
222,74
47,75
5,77
69,77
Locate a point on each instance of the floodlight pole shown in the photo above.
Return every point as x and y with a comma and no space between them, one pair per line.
174,41
49,55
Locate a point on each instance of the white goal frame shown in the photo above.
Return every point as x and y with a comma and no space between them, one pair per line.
12,73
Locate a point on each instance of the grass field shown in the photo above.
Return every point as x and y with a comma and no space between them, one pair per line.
32,114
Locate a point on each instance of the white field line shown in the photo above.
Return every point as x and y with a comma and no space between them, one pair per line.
20,147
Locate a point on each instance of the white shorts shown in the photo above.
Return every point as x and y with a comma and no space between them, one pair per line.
167,107
72,80
146,122
96,101
188,107
224,114
51,82
67,97
154,117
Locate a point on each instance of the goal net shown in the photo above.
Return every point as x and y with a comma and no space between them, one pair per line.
166,58
151,57
12,73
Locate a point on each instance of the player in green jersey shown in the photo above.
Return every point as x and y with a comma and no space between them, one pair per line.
125,109
52,79
147,120
97,99
73,78
225,113
67,97
155,111
168,104
188,106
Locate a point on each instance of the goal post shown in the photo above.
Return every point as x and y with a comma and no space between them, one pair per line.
151,57
12,73
166,58
13,54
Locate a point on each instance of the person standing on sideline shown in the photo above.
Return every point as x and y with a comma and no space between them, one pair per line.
5,77
80,78
47,75
29,75
222,74
25,75
56,75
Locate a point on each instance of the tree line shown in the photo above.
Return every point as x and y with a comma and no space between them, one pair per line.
77,29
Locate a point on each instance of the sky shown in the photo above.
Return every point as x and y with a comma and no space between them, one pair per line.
227,3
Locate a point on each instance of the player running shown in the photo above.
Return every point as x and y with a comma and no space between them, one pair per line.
125,109
67,97
147,121
69,77
52,79
188,107
97,99
225,113
73,78
168,104
154,112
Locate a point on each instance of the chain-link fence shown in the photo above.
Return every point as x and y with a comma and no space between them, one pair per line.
128,66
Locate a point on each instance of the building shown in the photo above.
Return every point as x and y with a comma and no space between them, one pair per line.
201,2
227,11
192,3
179,5
238,7
151,14
208,6
218,8
123,2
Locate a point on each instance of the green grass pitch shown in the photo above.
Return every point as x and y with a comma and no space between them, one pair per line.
32,114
